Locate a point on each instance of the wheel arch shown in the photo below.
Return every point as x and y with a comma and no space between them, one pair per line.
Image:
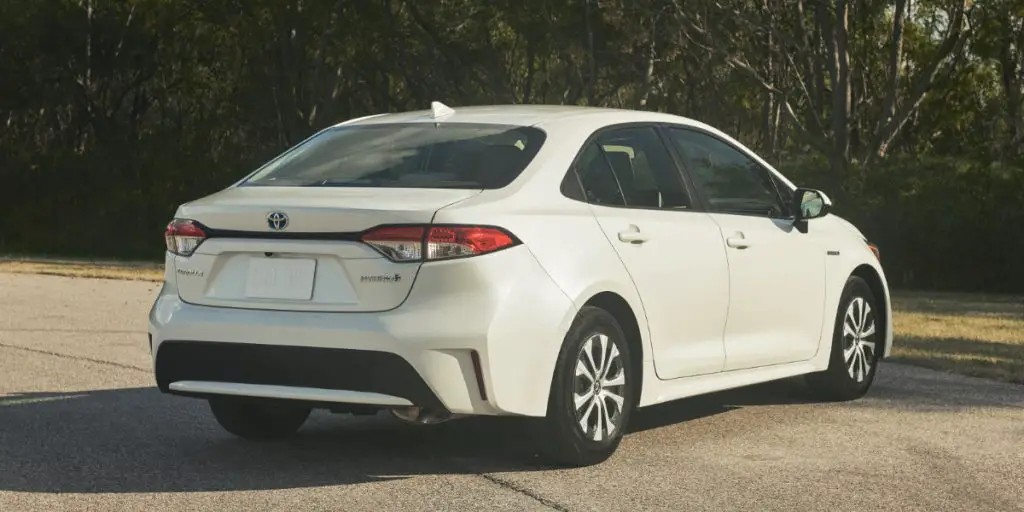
878,288
623,313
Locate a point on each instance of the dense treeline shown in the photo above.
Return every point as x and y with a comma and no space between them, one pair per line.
909,112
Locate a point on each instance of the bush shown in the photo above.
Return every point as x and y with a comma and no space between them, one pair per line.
943,224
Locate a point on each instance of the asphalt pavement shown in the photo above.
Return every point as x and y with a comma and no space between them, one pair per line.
82,427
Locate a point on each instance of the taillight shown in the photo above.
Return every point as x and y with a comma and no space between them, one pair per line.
183,236
432,243
456,241
398,243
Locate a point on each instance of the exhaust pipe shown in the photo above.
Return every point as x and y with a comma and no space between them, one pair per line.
420,416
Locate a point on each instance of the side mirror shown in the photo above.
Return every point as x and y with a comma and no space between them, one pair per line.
810,204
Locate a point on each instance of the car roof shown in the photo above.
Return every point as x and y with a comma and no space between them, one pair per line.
525,115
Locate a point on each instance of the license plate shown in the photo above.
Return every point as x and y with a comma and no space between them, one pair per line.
280,278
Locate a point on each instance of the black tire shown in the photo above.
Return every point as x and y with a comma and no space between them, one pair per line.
849,380
255,420
565,441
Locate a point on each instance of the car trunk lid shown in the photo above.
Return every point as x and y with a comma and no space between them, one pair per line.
299,249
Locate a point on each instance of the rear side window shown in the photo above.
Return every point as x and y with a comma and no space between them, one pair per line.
646,173
600,184
630,167
411,155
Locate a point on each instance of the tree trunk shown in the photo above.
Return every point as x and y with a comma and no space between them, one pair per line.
1011,81
841,87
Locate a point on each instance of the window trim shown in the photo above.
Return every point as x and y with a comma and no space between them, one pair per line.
697,204
766,173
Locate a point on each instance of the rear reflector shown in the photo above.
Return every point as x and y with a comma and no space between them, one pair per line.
479,372
431,243
183,236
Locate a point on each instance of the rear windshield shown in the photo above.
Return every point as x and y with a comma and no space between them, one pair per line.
413,155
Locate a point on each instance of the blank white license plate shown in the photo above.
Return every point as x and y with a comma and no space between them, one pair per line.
280,278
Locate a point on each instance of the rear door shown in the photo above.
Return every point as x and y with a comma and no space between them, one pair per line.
777,273
673,254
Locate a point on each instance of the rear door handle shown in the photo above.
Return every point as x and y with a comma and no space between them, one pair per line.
738,241
632,236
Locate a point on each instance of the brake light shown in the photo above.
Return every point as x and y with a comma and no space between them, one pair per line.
183,236
432,243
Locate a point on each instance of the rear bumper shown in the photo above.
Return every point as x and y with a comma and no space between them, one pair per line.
335,369
503,307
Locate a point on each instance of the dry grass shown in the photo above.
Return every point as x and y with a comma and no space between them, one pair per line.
95,269
978,335
971,334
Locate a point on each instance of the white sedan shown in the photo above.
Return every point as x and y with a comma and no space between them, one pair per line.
565,263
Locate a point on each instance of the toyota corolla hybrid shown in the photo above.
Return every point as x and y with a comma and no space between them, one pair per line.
565,263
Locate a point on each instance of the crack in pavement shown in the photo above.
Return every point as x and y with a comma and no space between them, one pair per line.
514,487
467,466
76,358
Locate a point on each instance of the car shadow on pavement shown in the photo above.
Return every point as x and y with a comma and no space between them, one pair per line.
138,440
781,392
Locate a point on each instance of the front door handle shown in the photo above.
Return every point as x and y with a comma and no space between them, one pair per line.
632,236
738,241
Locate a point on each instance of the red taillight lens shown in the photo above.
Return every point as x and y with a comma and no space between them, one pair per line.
457,241
183,236
431,243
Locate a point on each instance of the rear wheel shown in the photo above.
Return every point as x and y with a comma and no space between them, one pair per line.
856,346
254,420
592,393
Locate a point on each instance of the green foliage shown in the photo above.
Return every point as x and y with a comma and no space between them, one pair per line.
941,223
113,112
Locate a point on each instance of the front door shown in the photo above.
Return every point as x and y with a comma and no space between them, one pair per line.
673,254
777,273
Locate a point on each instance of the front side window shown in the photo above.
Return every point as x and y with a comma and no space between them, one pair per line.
730,181
412,155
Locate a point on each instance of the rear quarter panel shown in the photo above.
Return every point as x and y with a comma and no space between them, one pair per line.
562,234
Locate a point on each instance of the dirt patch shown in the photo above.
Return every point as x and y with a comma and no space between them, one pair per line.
141,271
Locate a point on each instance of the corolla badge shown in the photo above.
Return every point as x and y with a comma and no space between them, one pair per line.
277,221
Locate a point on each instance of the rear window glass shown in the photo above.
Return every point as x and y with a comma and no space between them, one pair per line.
413,155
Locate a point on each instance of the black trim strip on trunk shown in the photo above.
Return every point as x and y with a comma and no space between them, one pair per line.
340,236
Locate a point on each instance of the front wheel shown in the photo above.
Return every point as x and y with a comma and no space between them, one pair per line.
592,393
254,420
856,346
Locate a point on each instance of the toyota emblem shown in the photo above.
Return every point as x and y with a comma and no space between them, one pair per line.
277,221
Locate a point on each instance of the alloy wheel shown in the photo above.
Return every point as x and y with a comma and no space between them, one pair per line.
599,389
859,339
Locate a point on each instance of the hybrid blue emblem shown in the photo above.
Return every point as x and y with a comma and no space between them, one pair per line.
277,221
